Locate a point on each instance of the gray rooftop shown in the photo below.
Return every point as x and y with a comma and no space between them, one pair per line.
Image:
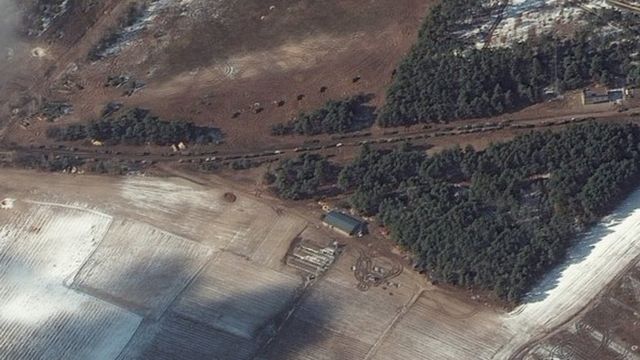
344,222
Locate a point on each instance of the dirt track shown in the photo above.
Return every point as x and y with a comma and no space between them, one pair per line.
285,54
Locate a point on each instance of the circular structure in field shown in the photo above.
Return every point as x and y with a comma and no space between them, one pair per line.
230,197
229,70
38,52
563,351
7,203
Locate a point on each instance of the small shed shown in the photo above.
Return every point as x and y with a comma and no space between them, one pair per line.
344,223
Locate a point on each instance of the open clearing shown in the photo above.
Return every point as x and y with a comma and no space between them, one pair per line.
205,60
40,317
232,280
207,269
140,267
154,268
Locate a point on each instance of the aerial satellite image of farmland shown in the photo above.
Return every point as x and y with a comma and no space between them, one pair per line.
320,180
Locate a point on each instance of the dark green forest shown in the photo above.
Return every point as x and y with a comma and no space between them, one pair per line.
494,219
135,127
302,177
445,78
334,117
497,219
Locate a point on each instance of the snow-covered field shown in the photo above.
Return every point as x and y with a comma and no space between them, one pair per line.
593,262
207,277
40,317
141,267
524,18
96,270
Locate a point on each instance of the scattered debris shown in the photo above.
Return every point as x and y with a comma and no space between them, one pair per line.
136,85
311,258
55,109
111,108
117,80
369,275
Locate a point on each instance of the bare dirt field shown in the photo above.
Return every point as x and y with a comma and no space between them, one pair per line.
204,61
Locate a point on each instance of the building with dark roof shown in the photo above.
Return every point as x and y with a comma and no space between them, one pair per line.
344,223
613,95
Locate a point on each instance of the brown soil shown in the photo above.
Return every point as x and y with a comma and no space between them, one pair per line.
230,197
213,63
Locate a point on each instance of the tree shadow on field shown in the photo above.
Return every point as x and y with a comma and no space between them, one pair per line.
223,330
365,113
241,326
582,247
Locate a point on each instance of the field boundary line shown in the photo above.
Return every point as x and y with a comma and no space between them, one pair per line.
67,206
72,284
154,320
392,324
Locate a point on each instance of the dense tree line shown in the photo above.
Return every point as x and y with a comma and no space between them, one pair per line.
135,127
302,177
334,117
629,22
445,78
494,219
48,163
498,218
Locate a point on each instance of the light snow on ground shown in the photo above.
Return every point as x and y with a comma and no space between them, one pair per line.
41,318
593,262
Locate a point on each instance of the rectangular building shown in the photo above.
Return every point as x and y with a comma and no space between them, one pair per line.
344,223
613,95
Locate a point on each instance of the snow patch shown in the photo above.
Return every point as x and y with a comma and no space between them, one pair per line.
41,250
592,263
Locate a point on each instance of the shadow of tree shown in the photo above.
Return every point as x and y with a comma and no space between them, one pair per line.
235,331
180,336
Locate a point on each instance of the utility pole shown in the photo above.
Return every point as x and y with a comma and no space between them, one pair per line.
555,63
